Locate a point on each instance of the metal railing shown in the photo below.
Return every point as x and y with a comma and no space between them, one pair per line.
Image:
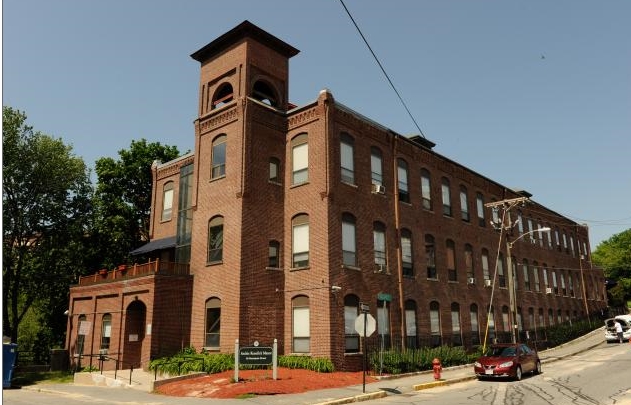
136,270
102,358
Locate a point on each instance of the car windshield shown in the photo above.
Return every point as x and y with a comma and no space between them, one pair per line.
501,351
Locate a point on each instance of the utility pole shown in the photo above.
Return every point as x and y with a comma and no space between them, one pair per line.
507,225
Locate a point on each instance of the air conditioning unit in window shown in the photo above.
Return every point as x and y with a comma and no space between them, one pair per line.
378,188
548,290
487,283
471,280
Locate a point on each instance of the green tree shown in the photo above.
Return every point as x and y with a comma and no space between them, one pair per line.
614,256
46,193
123,199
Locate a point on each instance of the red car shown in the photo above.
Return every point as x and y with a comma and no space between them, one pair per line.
510,360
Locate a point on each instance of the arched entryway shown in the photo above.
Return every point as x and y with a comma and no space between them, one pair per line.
134,334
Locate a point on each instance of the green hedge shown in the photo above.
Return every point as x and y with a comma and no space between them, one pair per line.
188,360
411,360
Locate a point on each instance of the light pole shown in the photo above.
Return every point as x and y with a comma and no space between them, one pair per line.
511,281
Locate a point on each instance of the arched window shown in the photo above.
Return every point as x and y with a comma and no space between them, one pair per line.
167,201
301,332
265,93
106,331
219,157
215,240
526,275
213,324
351,312
500,270
300,159
223,96
300,241
349,249
505,319
347,158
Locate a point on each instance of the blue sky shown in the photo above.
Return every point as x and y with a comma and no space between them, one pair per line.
535,94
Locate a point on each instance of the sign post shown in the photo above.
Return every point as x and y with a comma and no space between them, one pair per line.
365,325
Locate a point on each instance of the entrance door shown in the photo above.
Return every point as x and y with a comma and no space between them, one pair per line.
134,330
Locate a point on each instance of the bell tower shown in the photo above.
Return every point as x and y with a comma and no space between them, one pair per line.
244,62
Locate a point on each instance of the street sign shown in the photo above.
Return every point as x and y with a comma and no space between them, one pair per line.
370,323
364,308
384,297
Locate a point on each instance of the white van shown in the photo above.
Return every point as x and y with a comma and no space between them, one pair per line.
610,328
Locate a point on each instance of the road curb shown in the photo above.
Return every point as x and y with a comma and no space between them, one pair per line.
356,398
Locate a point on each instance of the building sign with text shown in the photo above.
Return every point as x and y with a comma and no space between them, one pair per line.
255,355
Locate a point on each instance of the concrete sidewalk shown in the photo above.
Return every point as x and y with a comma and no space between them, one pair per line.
142,383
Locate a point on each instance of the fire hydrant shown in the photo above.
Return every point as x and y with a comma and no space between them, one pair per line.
437,367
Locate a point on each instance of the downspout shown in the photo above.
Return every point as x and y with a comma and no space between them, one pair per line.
397,226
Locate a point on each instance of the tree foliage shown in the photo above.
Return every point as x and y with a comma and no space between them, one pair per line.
614,256
46,194
123,199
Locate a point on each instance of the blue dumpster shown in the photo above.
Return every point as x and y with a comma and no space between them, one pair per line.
9,353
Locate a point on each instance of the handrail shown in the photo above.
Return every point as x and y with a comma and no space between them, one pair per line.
104,357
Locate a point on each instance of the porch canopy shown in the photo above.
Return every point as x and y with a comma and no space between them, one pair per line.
157,244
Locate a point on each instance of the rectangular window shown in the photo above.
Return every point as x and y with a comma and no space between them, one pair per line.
215,240
352,337
376,167
213,321
535,278
167,202
219,157
379,243
402,172
526,277
468,261
301,330
430,255
479,201
485,266
446,194
426,190
349,255
500,272
347,165
300,163
464,205
455,328
406,255
273,255
451,261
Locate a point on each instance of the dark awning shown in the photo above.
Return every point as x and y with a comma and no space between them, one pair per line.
157,244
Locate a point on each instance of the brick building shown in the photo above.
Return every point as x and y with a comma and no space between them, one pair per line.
284,219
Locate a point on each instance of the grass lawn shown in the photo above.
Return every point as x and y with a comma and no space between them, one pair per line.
46,377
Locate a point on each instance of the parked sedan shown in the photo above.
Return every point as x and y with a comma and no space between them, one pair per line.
510,360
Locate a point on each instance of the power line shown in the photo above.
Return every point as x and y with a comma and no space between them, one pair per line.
382,69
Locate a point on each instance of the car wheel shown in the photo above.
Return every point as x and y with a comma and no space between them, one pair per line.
538,368
518,373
